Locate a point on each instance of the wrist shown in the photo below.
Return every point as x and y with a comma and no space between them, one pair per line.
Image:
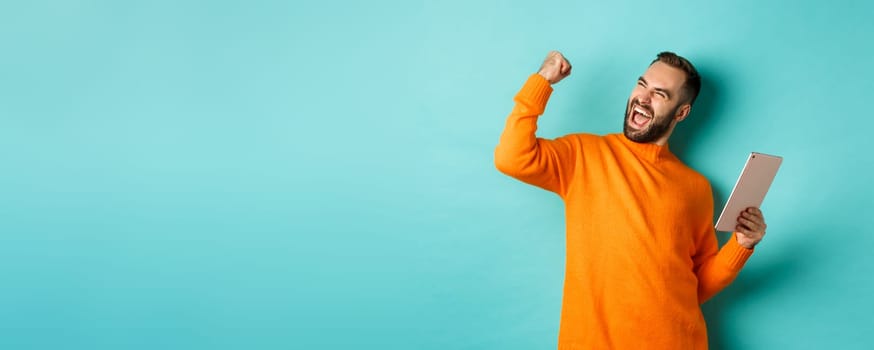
744,242
547,77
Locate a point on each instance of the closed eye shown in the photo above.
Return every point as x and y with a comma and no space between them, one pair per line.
658,91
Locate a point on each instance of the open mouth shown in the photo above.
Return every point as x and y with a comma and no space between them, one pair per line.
640,117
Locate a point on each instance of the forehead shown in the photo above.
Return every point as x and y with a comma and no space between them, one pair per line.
664,76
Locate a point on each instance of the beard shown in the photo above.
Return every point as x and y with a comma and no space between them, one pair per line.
655,129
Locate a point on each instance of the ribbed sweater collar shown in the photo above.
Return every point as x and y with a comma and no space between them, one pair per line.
649,151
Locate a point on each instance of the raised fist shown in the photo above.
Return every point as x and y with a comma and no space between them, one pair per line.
555,67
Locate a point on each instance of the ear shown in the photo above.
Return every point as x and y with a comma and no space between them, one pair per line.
683,112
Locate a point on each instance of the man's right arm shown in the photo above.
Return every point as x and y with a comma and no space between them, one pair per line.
522,155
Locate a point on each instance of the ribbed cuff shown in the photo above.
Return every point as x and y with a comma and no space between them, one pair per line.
535,93
733,256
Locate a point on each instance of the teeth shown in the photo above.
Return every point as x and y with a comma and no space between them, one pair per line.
641,111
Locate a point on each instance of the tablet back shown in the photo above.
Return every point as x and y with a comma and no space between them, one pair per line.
750,189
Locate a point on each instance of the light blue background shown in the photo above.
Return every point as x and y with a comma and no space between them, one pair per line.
319,175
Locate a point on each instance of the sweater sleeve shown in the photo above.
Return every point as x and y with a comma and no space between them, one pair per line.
544,163
717,268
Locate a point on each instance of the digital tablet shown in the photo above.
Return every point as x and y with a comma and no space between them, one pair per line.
750,189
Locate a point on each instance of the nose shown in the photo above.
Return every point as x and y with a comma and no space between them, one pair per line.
644,99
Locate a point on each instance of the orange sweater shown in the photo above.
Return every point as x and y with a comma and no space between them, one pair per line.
642,253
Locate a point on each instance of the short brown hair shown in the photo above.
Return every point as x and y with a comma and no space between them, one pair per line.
693,81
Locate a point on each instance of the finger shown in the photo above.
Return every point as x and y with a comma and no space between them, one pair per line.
753,216
756,223
758,213
750,224
748,232
760,221
749,216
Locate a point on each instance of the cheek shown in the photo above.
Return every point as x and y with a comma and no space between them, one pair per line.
659,108
662,109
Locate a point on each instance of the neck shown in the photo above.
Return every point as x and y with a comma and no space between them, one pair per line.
661,141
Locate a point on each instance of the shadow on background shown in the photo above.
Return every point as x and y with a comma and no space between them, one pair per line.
707,114
751,282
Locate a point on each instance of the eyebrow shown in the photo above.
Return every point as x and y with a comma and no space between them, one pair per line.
666,92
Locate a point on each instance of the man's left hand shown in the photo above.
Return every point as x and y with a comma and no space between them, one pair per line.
750,227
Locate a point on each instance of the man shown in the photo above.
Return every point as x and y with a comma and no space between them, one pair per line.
642,254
